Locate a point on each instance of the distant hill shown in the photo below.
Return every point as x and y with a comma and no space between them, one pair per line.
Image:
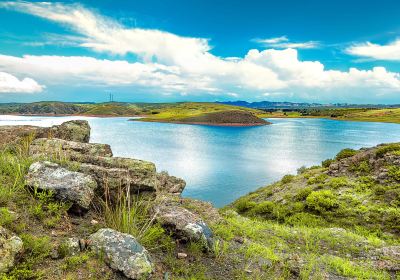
302,105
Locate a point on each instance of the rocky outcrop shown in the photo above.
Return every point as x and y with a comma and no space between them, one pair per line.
72,130
68,150
78,131
170,184
374,161
184,224
110,173
10,247
122,252
69,186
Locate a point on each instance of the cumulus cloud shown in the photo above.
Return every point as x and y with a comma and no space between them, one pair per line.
184,65
390,51
283,42
11,84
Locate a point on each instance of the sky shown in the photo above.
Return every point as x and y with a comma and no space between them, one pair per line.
200,50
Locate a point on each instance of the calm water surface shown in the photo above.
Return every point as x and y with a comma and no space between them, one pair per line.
220,164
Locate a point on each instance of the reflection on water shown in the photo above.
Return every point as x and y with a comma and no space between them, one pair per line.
220,164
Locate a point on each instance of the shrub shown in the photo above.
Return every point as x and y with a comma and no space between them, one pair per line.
302,194
265,207
394,172
338,182
345,153
301,170
244,204
380,152
362,168
287,179
319,179
305,219
326,163
322,201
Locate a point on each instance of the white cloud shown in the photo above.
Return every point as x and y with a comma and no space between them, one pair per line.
184,65
283,42
11,84
377,52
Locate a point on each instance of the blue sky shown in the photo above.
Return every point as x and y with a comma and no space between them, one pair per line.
158,51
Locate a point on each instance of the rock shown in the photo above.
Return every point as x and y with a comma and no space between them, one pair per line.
72,130
10,247
94,222
184,224
181,255
111,180
67,185
68,150
72,246
170,184
388,258
123,253
77,130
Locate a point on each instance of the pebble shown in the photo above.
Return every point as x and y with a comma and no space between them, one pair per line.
182,255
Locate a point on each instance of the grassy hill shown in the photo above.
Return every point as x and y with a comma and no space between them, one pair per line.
194,112
390,115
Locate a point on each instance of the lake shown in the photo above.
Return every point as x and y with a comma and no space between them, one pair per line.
220,164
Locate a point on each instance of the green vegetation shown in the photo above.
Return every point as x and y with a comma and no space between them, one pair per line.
197,112
391,115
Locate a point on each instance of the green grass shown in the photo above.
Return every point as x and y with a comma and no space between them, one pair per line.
390,115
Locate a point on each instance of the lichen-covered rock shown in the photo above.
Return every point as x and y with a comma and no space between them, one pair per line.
184,224
170,184
70,150
10,247
72,130
112,179
69,186
70,247
77,130
122,252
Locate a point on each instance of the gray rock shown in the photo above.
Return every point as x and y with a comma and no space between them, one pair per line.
77,130
69,186
109,179
72,130
184,224
122,252
10,247
170,184
68,150
71,247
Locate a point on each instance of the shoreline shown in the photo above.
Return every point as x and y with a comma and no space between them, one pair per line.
195,123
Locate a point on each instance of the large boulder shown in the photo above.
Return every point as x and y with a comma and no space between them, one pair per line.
184,224
67,185
122,252
77,130
170,184
11,247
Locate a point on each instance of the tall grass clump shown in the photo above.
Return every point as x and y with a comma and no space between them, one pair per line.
133,214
